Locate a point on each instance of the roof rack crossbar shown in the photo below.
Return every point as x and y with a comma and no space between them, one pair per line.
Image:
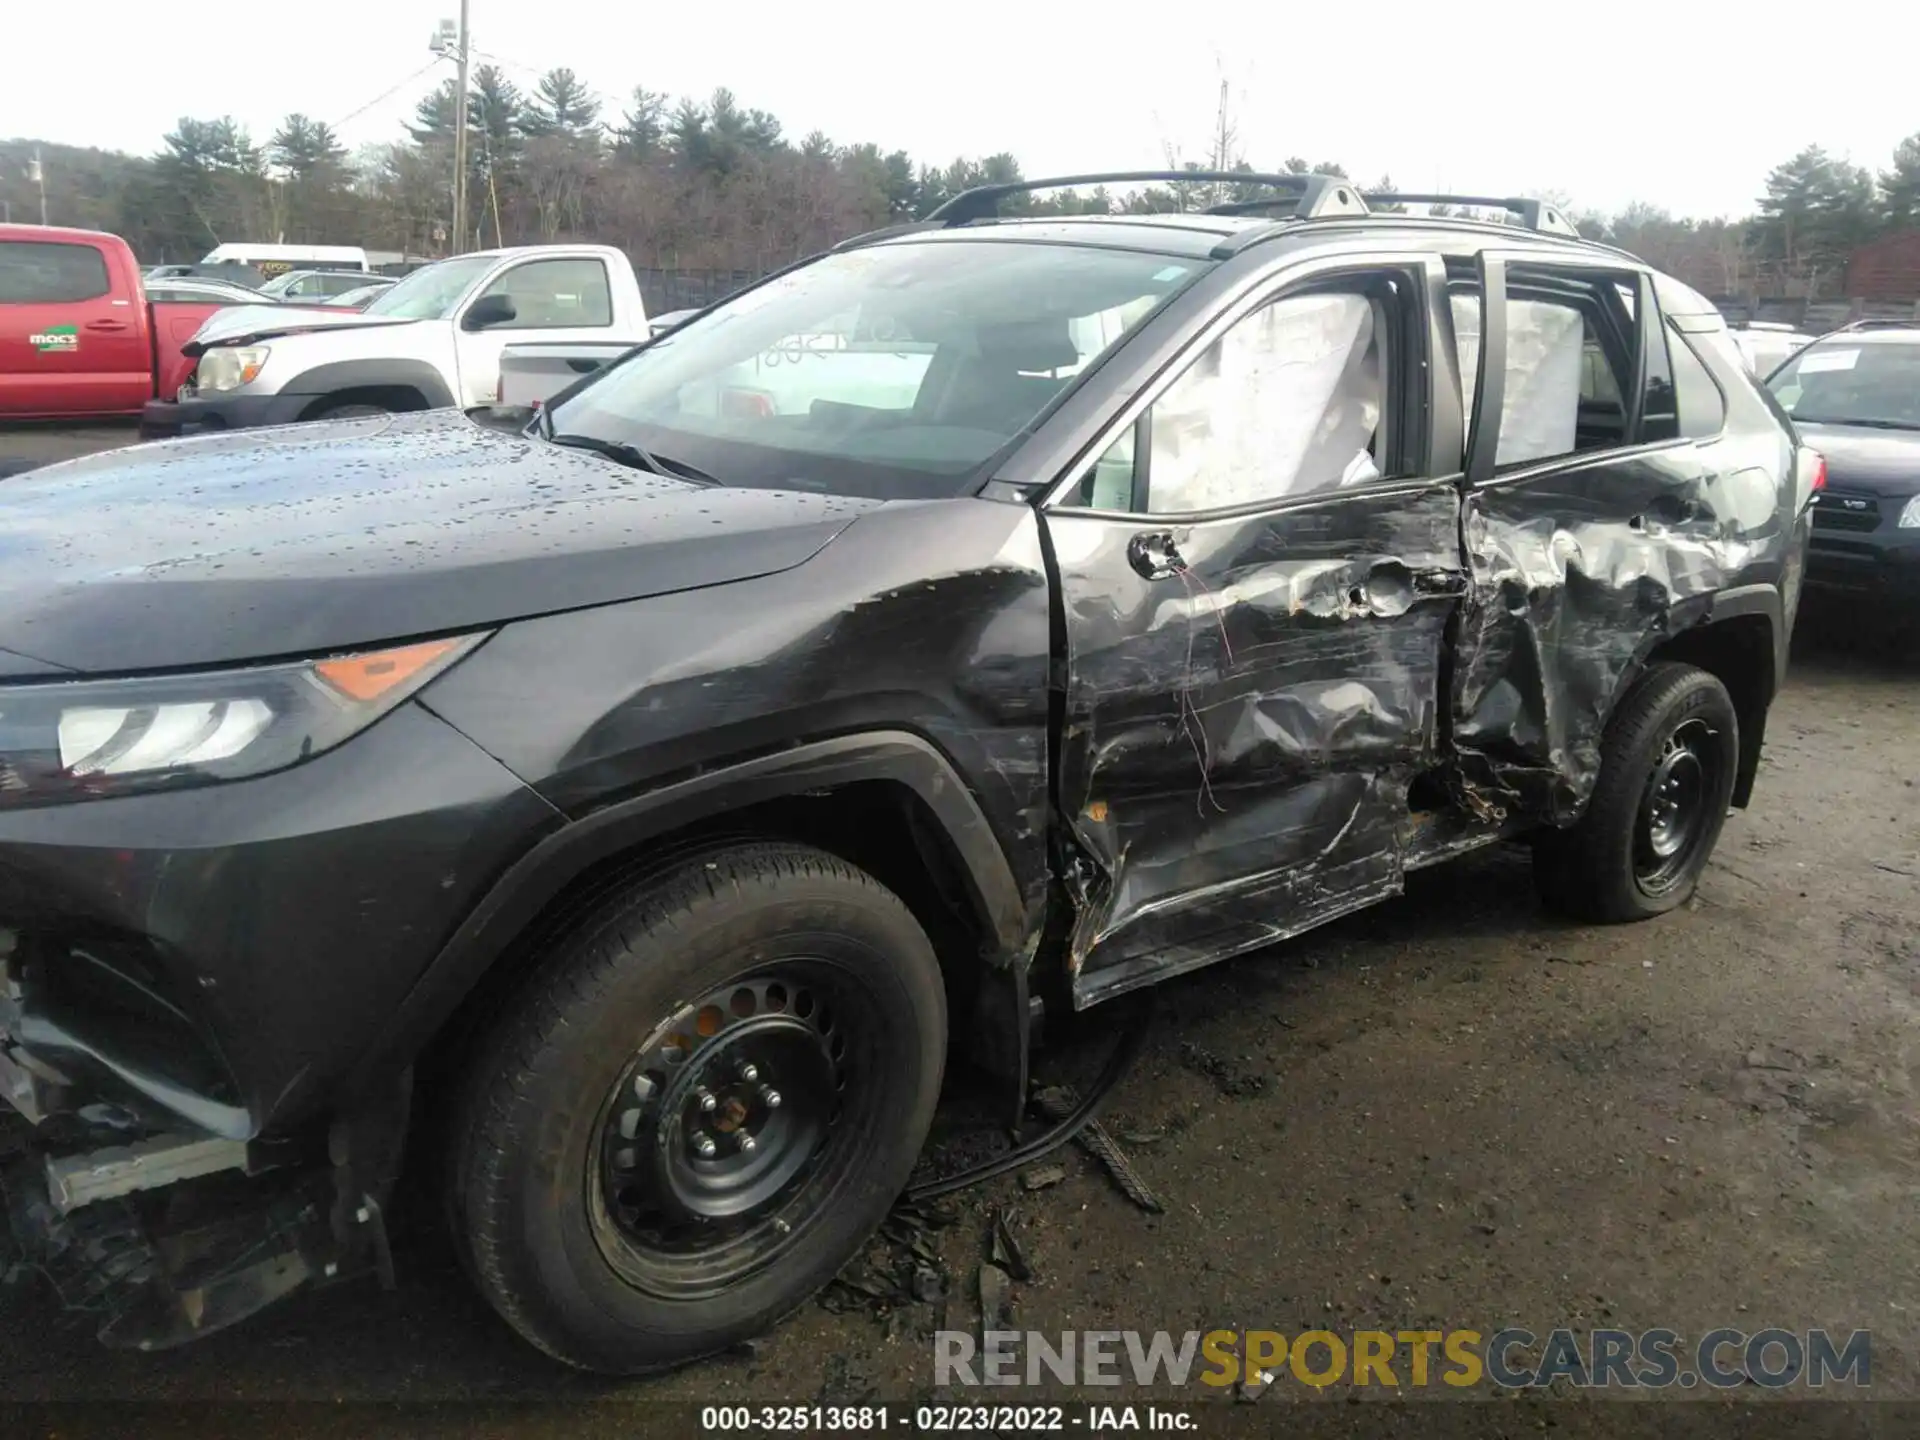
1533,214
1312,195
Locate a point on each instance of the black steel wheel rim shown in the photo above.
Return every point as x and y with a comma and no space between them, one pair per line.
730,1130
1676,807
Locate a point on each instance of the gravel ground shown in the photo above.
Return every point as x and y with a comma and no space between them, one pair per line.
24,446
1451,1110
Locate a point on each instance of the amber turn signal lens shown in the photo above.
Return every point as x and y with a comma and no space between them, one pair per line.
368,677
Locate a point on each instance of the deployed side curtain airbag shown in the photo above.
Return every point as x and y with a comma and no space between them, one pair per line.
1541,411
1285,402
1542,408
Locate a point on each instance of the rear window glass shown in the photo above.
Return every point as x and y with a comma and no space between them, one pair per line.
43,272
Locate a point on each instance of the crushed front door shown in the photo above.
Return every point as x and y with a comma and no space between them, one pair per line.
1253,624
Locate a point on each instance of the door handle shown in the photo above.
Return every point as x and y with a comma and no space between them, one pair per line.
1154,555
1391,588
106,325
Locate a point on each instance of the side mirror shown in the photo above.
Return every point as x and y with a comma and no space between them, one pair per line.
487,311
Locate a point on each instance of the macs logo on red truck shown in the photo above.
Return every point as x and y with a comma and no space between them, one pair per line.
56,338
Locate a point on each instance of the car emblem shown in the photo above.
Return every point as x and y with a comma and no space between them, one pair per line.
1854,504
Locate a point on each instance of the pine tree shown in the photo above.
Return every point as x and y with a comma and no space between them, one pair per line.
643,128
1900,187
561,105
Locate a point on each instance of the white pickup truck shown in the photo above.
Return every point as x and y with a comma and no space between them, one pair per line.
533,374
435,339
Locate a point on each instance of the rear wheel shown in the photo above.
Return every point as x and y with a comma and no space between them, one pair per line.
1666,777
707,1102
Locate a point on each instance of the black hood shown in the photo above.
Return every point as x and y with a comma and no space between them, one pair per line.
321,537
1866,458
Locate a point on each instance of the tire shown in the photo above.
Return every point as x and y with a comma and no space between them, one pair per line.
355,411
586,1244
1607,868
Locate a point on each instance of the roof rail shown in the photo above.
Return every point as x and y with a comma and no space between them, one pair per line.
1533,214
885,232
1313,196
1879,322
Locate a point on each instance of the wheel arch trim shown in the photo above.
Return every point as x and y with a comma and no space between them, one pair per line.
1761,602
396,373
517,898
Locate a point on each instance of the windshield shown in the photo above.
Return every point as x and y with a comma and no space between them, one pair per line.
891,372
278,285
431,292
1845,382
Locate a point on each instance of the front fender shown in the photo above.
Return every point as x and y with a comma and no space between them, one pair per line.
540,875
386,372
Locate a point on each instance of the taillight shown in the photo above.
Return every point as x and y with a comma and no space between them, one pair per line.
1819,471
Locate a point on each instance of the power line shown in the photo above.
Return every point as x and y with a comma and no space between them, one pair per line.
388,93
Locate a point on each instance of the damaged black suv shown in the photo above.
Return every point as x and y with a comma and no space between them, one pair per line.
994,613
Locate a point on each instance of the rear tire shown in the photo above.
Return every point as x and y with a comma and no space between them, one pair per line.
1667,768
632,1190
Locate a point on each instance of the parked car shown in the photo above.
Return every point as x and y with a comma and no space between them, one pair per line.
1855,397
79,335
1764,347
357,299
530,375
672,783
277,259
230,271
320,286
433,339
190,290
672,320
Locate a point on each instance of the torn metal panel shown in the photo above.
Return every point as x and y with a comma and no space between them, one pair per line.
1577,574
1247,701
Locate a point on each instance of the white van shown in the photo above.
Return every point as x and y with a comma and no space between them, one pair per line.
272,260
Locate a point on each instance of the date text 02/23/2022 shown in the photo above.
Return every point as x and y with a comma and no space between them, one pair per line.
941,1419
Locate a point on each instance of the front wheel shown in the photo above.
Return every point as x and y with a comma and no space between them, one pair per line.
1667,770
705,1103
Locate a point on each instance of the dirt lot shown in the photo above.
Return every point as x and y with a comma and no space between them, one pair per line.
24,446
1449,1111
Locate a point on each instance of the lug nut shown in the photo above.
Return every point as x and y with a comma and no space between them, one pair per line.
748,1144
770,1097
708,1104
749,1073
642,1089
704,1147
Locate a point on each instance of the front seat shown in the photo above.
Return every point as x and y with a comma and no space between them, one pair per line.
1009,378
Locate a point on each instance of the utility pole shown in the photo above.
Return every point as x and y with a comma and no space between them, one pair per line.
460,141
37,173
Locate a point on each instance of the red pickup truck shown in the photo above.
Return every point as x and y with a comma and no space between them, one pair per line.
78,337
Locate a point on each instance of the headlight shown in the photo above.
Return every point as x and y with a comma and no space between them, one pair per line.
228,368
75,740
1910,514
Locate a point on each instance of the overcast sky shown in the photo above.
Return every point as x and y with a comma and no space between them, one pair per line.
1496,97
